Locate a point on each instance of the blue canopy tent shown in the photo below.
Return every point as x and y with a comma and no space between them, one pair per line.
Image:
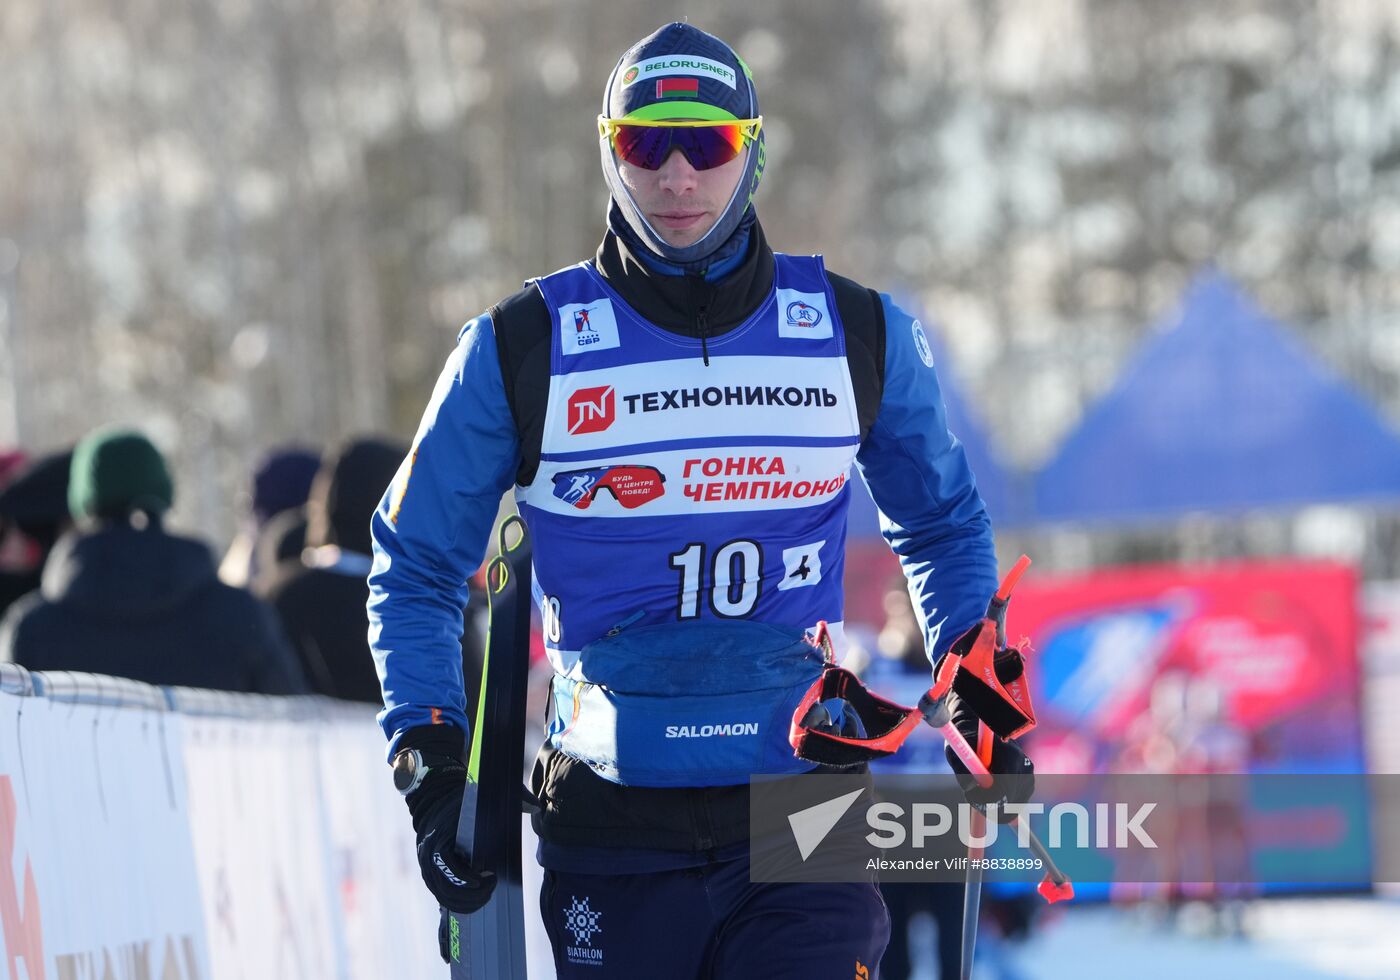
993,481
1223,412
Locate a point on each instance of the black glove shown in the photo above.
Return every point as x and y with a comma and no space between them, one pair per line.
1003,704
436,808
1014,774
838,716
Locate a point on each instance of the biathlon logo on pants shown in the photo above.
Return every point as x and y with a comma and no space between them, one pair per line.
582,922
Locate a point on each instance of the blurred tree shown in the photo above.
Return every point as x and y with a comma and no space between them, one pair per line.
240,223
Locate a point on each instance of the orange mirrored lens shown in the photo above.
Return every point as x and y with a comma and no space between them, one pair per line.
704,146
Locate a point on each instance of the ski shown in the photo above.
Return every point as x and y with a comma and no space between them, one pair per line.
490,944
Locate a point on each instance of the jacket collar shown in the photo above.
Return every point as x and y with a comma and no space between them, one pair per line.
675,302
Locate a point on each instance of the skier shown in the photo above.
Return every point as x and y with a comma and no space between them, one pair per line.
751,381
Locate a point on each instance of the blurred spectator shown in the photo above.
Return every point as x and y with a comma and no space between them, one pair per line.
11,463
281,539
122,596
321,594
33,513
19,556
281,483
901,638
320,589
943,902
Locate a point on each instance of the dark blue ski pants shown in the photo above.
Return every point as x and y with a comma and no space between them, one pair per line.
711,923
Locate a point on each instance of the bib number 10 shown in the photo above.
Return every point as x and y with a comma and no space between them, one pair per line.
730,578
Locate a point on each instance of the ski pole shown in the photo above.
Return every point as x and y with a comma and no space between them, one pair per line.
1056,885
972,890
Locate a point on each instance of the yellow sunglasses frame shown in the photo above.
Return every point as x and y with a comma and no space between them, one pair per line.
607,127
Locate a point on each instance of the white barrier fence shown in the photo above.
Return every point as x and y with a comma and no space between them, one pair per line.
151,834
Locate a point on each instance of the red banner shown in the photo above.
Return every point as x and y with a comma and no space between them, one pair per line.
1181,669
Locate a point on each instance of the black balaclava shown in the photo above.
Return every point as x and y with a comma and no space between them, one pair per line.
679,51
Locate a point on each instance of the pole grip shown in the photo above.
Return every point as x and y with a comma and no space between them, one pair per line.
958,743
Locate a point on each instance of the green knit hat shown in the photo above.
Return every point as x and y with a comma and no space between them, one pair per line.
116,472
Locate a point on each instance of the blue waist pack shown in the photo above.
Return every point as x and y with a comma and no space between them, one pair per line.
707,704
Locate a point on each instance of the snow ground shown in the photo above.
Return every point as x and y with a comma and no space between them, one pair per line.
1346,938
1284,939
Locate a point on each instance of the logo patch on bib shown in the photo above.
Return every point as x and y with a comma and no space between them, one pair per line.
588,327
803,315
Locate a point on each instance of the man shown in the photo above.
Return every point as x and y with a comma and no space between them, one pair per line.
678,417
320,594
33,513
281,483
121,596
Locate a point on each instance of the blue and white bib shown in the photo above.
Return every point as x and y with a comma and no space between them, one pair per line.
689,524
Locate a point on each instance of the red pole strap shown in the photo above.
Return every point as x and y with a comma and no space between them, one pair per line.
1013,576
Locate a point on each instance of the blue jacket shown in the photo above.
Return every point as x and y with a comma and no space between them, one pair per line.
432,527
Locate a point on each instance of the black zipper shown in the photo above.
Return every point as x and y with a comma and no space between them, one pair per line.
701,293
702,323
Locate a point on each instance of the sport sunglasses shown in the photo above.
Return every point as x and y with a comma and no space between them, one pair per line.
705,143
630,484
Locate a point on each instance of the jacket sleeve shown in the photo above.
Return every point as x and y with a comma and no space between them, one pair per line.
930,511
430,533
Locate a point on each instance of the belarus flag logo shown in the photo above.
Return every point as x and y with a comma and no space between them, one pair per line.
677,88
